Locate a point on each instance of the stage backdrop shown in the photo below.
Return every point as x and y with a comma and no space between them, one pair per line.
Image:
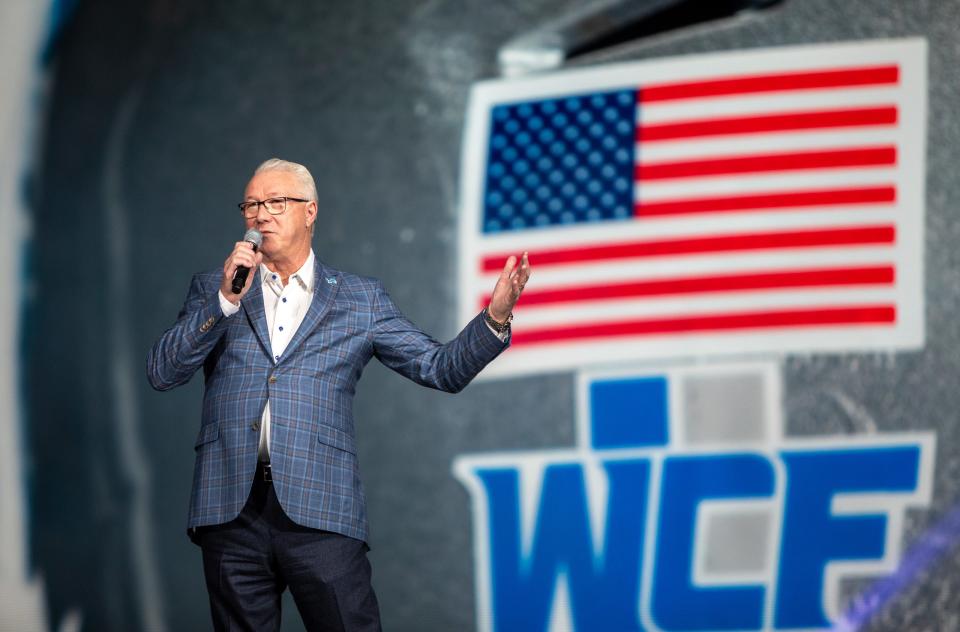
721,484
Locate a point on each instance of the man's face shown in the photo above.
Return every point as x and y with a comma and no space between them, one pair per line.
287,234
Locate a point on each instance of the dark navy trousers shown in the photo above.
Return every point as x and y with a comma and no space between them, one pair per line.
250,561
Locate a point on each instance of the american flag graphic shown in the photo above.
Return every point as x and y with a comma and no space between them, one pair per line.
765,201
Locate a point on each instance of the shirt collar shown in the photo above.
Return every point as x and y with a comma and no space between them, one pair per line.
302,277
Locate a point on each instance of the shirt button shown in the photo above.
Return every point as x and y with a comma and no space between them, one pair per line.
284,300
281,327
276,357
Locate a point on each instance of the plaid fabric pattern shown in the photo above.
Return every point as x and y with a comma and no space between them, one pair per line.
310,388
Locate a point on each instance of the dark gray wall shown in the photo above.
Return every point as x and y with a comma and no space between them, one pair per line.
159,111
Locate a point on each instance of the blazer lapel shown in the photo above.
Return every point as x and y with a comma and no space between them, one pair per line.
326,283
253,306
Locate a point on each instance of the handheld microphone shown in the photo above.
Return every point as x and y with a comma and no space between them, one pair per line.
254,238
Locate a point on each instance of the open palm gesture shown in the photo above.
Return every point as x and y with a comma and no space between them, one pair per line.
509,286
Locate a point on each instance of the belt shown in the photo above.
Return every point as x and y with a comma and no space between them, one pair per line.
264,472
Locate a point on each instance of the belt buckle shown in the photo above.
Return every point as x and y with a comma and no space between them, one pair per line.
267,476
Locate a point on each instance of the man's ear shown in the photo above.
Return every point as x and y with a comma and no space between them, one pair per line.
311,213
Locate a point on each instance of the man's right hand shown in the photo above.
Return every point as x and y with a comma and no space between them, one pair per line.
242,255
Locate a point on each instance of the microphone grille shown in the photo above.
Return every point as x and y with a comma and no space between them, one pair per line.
254,236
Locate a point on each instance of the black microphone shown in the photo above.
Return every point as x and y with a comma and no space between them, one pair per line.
254,238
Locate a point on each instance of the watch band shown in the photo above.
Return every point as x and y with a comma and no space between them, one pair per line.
497,325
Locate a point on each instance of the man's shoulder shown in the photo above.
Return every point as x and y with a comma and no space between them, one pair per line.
348,282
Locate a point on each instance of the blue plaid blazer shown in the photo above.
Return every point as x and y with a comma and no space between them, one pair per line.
350,320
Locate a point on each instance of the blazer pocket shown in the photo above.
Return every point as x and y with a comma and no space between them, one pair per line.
329,435
208,433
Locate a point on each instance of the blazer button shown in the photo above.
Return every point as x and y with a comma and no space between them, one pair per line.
255,426
273,379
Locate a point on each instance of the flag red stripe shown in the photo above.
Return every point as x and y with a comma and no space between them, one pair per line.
825,316
823,277
766,201
838,78
791,161
862,117
879,234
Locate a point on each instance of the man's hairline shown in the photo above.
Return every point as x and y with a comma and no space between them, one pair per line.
307,185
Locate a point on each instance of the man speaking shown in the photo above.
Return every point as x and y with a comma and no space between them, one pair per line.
277,500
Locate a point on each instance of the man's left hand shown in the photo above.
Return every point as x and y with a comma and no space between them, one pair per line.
509,287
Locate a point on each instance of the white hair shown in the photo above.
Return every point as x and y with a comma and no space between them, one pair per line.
301,172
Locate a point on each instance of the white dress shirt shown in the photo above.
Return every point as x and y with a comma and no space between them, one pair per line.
285,307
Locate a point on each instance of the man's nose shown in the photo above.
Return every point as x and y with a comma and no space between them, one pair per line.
263,215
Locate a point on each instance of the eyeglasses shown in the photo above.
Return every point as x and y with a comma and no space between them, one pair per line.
274,205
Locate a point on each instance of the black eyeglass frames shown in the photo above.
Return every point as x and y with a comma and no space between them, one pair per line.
274,206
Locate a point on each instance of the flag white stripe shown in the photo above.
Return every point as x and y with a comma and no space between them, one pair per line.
748,144
707,264
763,183
759,104
687,226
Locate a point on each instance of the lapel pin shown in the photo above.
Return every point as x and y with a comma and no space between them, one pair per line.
332,280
